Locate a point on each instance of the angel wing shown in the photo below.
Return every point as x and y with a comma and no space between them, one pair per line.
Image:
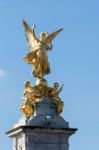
53,35
32,40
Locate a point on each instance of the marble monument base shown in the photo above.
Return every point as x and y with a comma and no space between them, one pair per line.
36,138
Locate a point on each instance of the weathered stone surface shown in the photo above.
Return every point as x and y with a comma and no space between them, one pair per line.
48,121
30,138
45,116
44,130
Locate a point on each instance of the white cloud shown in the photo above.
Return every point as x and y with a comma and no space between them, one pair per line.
2,73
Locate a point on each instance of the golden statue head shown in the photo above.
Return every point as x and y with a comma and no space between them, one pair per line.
26,84
56,85
43,35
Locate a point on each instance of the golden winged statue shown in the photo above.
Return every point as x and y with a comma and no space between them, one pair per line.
38,50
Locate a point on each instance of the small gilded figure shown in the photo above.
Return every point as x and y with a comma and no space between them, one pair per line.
56,97
56,91
31,96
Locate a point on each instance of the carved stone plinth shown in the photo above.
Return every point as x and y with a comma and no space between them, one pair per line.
33,138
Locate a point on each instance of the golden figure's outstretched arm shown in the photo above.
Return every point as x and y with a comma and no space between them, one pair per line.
34,35
53,35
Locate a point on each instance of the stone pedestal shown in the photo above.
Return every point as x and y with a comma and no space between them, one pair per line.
44,130
36,138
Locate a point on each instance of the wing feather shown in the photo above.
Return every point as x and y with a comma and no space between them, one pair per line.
31,40
53,35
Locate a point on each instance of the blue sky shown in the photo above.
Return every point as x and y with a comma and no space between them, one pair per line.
74,62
